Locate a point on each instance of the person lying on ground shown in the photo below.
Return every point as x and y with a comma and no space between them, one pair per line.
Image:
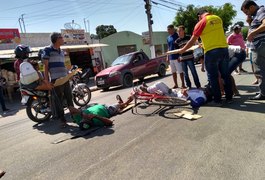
198,97
98,115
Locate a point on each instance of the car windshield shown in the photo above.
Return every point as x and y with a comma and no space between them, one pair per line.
125,59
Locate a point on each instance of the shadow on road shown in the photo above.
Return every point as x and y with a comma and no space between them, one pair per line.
243,103
166,112
72,131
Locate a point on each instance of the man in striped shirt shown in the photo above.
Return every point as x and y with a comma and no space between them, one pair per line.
256,36
54,62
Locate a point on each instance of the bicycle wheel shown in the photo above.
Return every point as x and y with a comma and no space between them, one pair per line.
170,101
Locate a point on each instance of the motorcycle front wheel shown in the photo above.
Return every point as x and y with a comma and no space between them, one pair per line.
81,95
38,110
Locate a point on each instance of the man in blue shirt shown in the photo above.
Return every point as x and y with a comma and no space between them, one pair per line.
54,68
173,59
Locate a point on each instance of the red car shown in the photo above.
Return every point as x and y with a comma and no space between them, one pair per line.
128,67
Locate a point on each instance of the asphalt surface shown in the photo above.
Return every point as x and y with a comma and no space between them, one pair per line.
226,143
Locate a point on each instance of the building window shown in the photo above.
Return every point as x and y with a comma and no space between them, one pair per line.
126,49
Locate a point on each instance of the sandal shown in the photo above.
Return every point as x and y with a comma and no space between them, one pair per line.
118,97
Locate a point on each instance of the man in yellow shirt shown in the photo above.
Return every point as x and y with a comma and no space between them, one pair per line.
210,30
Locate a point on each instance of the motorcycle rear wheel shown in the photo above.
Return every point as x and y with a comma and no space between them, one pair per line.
34,111
82,95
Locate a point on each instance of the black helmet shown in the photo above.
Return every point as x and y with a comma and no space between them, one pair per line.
22,51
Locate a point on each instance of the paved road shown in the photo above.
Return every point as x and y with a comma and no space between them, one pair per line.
226,143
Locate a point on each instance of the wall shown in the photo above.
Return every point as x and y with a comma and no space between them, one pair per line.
123,38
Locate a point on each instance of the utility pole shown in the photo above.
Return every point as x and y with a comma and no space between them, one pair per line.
23,22
150,22
85,24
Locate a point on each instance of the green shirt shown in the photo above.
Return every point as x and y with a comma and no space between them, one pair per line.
99,110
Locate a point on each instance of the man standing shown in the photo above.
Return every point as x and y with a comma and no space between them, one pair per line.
187,58
173,59
54,68
210,30
236,39
256,36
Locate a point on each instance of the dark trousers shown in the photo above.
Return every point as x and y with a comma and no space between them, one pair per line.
2,101
236,60
190,64
217,60
59,95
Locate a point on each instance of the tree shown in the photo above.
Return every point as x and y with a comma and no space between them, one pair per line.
105,30
189,18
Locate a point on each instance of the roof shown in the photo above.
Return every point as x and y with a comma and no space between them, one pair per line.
10,53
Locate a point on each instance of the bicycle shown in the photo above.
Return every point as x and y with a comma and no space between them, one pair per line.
156,99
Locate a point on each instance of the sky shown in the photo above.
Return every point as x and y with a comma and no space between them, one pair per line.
125,15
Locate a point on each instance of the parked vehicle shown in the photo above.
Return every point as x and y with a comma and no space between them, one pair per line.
80,89
38,102
126,68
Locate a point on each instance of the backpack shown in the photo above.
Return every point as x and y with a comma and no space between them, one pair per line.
28,74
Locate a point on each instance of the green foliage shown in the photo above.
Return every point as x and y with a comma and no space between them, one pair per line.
105,30
245,32
188,17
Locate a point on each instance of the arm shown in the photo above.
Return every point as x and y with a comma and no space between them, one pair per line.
46,70
106,121
189,44
260,29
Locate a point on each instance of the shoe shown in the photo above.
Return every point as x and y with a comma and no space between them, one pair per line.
257,97
175,87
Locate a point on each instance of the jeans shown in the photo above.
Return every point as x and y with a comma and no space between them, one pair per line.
2,101
258,57
190,63
217,60
236,60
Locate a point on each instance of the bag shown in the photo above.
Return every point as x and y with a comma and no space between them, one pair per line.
28,74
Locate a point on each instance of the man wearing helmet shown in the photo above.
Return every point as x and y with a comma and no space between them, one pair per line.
27,76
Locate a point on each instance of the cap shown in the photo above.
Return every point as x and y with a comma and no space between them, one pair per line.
237,27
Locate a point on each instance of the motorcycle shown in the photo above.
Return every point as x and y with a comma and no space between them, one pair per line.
38,102
81,91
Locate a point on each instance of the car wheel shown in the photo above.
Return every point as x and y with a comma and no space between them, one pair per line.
162,71
127,80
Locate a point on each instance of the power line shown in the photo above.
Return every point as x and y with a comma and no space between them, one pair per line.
156,3
172,3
